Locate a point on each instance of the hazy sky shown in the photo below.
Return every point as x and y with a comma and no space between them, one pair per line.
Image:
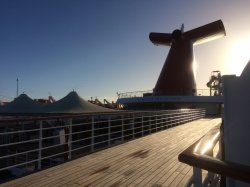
99,47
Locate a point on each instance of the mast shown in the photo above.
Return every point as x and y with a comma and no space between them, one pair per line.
17,87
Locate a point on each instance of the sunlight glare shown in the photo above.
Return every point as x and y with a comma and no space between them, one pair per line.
239,56
194,68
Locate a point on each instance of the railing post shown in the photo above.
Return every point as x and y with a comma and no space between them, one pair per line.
142,125
163,122
162,125
109,131
133,126
197,177
179,117
190,117
122,128
168,121
40,144
156,121
92,133
149,124
70,138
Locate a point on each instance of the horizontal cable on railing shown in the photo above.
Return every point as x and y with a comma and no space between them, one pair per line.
53,146
15,143
79,132
56,127
21,164
16,154
76,149
79,140
17,132
51,137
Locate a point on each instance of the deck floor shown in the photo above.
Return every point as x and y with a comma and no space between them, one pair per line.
148,161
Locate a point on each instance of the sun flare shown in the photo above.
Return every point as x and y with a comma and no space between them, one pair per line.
239,56
194,67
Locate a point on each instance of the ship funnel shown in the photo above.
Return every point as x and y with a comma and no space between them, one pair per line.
177,76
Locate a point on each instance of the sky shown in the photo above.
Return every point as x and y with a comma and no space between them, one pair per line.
99,48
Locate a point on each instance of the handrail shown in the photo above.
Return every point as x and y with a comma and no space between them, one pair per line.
199,159
145,93
64,116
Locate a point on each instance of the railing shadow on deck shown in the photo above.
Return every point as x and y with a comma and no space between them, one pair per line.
201,156
31,144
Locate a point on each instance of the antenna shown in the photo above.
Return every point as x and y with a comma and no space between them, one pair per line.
17,87
182,28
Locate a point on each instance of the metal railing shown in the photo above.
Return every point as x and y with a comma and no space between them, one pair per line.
201,156
200,92
31,144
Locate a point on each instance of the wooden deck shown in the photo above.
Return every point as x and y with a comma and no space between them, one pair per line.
147,161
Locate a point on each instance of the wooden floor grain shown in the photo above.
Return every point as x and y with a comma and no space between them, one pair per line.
148,161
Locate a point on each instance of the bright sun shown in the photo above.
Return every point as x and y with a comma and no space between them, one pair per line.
239,56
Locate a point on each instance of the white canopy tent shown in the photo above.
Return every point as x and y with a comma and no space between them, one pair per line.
70,104
22,104
73,103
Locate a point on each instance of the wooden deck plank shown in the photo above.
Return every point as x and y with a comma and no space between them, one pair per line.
148,161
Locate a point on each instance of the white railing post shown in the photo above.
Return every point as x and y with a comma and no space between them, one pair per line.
168,121
109,131
142,125
162,126
92,133
190,113
133,126
197,177
122,128
149,124
163,121
179,117
156,122
70,138
40,144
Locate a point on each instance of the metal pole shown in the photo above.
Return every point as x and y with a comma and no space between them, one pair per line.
109,131
122,128
197,177
142,125
70,138
161,123
133,126
149,124
40,144
92,134
156,123
17,87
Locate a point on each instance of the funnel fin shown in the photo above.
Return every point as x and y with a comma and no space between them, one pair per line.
206,33
160,38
